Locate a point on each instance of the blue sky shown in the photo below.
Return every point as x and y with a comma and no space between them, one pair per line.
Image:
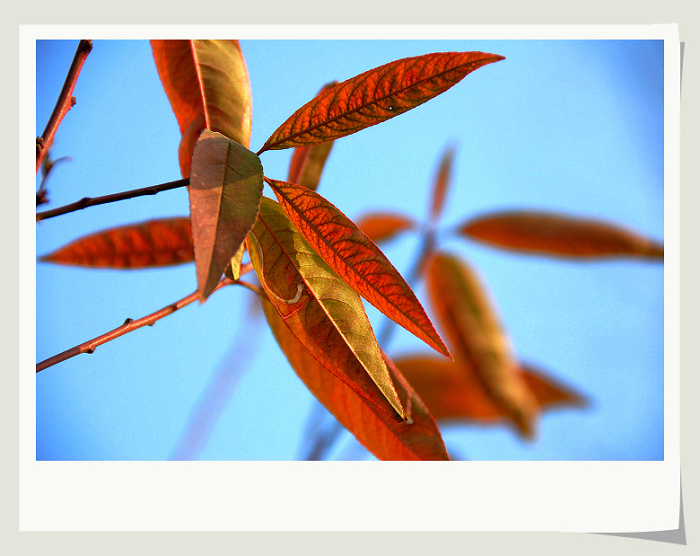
571,126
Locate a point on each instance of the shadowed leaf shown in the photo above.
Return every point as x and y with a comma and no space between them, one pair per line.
319,308
375,96
453,390
442,181
154,243
559,235
207,85
476,337
384,436
225,190
356,259
382,226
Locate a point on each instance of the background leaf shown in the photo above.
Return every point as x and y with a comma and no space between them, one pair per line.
382,226
319,308
559,235
351,254
225,190
477,338
386,437
208,87
162,242
375,96
453,391
442,181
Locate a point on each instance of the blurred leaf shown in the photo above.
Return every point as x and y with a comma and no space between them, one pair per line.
319,308
154,243
207,85
356,259
307,163
381,226
442,181
476,337
225,190
559,235
386,437
453,390
375,96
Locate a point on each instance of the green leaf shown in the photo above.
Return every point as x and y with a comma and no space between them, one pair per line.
225,189
318,307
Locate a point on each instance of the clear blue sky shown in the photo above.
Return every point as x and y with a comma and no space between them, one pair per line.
571,126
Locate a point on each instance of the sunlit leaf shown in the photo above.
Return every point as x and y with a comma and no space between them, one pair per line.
208,87
225,190
319,308
453,390
375,96
385,436
233,268
476,337
356,259
154,243
560,235
442,181
382,226
307,163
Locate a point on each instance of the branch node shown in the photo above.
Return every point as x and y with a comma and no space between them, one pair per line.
127,322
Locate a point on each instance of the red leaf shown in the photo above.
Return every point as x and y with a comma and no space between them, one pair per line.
319,308
148,244
225,190
386,437
442,181
356,259
559,235
208,87
477,338
454,391
375,96
382,226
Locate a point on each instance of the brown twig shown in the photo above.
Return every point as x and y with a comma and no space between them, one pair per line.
65,101
92,201
131,325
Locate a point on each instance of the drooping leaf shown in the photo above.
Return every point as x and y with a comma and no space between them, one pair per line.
442,181
225,190
453,390
477,338
559,235
207,85
356,259
375,96
163,242
307,163
382,226
319,308
385,436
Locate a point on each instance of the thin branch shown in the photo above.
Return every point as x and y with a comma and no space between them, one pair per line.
131,325
65,101
92,201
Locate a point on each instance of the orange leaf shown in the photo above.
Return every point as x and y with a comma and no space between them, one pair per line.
225,190
356,259
476,337
319,308
382,226
154,243
453,390
207,85
559,235
442,181
375,96
386,437
307,163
